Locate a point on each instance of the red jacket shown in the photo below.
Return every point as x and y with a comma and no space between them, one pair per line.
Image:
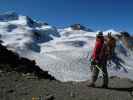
97,49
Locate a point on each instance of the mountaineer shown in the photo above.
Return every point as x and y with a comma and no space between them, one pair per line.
99,61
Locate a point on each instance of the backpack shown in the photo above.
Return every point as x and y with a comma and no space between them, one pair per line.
111,42
111,45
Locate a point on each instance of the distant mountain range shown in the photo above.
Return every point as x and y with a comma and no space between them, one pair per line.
53,48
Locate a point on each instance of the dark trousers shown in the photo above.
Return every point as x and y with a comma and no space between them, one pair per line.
95,73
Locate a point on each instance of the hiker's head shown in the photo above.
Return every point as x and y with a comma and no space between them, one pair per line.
99,34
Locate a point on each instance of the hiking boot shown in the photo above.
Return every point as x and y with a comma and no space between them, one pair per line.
91,85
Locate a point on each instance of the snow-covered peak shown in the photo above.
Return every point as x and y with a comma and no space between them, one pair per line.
60,51
8,16
14,18
70,32
20,32
80,27
24,20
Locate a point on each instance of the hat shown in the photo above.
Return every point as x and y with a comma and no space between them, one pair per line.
99,33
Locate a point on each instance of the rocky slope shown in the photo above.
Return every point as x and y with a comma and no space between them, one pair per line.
21,79
10,61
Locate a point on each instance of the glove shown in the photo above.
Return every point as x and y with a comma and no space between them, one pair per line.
96,61
93,63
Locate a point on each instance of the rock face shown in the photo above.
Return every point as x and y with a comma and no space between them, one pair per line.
79,27
127,39
125,34
8,16
13,62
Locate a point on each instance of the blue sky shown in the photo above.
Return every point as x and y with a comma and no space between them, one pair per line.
96,14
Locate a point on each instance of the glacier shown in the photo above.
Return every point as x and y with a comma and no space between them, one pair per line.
64,53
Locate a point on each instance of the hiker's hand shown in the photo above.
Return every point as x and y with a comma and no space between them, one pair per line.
96,61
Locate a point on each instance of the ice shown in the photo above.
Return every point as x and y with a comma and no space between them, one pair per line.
64,53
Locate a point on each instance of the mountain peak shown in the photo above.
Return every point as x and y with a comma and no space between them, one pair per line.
80,27
30,22
8,16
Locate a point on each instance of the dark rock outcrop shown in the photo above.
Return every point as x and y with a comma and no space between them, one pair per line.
80,27
127,40
8,16
12,61
125,34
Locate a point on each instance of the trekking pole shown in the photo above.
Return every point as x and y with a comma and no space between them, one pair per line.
99,68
